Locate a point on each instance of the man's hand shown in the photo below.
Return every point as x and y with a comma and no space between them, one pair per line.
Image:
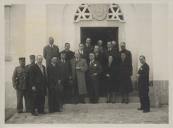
34,88
78,68
14,86
95,74
59,82
70,77
107,75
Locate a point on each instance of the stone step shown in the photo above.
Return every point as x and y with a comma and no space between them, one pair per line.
132,99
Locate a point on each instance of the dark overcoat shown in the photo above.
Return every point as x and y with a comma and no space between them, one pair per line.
128,59
39,79
69,55
143,79
112,70
125,77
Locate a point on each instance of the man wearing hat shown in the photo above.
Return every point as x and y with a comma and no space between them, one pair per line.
19,83
28,82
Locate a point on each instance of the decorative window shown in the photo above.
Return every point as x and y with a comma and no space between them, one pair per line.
108,12
82,13
115,13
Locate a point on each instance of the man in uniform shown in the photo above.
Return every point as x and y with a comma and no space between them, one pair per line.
143,83
94,70
29,90
19,84
50,50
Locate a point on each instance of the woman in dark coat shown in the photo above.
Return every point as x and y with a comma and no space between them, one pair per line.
125,78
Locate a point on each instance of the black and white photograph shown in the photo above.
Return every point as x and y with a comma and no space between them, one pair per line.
86,62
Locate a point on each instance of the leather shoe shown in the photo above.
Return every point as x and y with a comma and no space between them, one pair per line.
146,111
140,109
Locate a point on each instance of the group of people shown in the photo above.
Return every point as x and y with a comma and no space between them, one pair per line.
91,71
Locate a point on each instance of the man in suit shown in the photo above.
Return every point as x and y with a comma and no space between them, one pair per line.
78,68
125,78
115,45
19,84
100,44
68,53
54,89
50,50
100,57
128,56
88,47
39,85
82,52
65,76
143,83
28,81
94,70
112,73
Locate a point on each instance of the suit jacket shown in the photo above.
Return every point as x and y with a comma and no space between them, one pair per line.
114,66
28,75
125,79
84,55
49,52
101,58
69,55
64,71
88,50
39,79
94,67
129,59
53,76
19,78
78,75
143,80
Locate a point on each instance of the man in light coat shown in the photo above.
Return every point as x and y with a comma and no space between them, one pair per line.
78,69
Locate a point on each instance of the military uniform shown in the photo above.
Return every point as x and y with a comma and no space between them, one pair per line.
19,83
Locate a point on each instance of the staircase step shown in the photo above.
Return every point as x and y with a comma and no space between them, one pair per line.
132,99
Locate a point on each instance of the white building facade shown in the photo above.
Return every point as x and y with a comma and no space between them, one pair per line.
144,28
